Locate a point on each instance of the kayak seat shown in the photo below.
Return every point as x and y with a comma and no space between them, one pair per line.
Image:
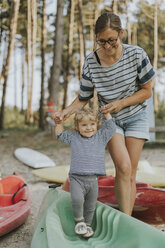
10,185
18,196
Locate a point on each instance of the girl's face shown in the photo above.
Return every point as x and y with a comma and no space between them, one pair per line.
109,40
87,127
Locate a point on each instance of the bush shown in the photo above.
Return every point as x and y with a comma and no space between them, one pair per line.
161,111
14,118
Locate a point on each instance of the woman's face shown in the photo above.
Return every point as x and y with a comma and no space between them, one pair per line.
109,40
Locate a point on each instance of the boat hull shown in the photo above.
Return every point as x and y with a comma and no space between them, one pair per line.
14,203
149,204
55,227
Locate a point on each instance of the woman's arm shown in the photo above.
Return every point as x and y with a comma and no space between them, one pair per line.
71,109
140,96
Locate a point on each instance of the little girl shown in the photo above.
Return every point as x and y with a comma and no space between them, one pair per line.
87,162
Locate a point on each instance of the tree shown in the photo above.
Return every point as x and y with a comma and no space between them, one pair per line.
57,56
151,23
155,63
28,113
70,49
13,27
145,30
128,22
31,44
43,50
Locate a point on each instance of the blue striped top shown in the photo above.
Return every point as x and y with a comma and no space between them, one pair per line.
88,154
117,81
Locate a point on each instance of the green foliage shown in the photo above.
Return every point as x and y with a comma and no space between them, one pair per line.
145,29
161,112
14,119
4,18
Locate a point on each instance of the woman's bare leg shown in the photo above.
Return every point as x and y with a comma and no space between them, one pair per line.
134,148
121,159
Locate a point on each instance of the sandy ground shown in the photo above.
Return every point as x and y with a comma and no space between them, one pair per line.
43,142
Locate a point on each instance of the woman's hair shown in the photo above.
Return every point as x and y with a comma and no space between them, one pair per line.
85,112
108,20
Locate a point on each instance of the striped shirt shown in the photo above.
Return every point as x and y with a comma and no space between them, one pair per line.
88,154
117,81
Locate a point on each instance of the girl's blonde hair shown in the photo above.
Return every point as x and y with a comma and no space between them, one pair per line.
85,112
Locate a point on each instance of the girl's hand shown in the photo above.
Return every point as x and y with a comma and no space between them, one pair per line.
112,107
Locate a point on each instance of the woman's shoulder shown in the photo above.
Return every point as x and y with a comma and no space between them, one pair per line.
133,51
130,47
89,56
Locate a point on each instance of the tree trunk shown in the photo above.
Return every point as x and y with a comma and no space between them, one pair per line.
155,53
81,36
43,48
128,22
34,34
23,80
13,27
15,77
134,38
3,57
94,100
70,48
31,44
28,113
57,57
114,8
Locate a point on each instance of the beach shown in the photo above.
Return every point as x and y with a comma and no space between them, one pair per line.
60,154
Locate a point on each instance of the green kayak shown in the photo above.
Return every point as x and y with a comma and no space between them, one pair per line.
113,229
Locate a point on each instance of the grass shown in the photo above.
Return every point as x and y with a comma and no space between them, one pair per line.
160,123
15,122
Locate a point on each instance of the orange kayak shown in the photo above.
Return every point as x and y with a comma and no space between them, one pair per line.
14,203
149,204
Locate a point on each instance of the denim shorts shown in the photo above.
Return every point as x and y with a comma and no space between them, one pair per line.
136,126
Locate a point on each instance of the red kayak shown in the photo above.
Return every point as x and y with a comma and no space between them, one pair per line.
14,203
149,204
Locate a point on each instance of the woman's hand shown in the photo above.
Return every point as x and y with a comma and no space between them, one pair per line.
112,107
60,116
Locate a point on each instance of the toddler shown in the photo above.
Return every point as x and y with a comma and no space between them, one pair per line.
87,163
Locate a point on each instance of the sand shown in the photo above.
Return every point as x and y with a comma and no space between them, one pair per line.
43,142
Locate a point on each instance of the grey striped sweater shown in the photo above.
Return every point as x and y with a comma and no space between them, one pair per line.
117,81
88,154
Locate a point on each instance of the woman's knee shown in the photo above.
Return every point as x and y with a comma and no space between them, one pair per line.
124,169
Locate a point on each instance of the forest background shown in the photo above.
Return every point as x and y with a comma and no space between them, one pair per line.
43,45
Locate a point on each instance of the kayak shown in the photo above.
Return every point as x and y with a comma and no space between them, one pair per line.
55,227
154,175
145,173
149,204
14,203
57,174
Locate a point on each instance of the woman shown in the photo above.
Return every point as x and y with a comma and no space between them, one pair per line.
122,77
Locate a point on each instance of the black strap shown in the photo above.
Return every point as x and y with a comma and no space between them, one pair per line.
53,186
97,57
17,192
